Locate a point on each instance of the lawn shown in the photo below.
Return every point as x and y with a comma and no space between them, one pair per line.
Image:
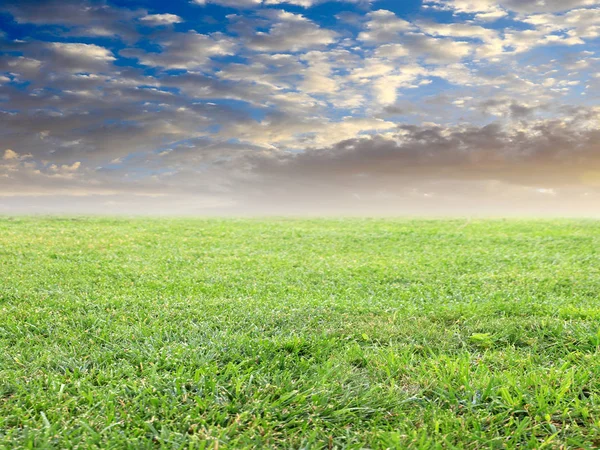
299,333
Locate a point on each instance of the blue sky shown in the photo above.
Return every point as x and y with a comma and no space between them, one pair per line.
287,105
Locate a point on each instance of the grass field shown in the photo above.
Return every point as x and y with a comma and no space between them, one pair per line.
191,333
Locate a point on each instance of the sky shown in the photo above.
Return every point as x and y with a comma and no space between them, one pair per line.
366,107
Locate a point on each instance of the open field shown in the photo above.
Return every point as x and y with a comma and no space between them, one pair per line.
190,333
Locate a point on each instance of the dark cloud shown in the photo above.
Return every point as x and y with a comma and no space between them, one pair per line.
548,156
77,17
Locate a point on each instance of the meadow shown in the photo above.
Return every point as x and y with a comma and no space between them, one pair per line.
299,333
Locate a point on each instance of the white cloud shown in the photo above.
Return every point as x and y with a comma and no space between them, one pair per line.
291,32
286,132
493,9
318,76
578,24
459,30
83,51
383,26
189,50
437,50
391,51
79,57
161,19
231,3
484,10
386,87
371,68
255,3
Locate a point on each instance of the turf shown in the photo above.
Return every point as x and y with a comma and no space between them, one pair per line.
356,333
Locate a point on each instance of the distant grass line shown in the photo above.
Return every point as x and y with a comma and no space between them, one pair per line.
299,333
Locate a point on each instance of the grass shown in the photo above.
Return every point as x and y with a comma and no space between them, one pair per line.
190,333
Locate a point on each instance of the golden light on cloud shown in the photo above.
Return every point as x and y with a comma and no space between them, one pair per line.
10,154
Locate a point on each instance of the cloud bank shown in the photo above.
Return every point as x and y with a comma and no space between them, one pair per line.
300,106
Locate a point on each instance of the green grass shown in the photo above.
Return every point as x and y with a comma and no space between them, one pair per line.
190,333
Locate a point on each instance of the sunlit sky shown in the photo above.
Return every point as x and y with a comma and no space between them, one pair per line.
300,106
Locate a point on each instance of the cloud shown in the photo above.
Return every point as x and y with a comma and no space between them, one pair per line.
401,38
20,65
189,50
291,32
78,57
577,24
535,6
119,104
494,9
392,51
65,168
459,30
231,3
83,18
161,19
383,26
552,153
318,77
241,4
436,51
386,87
285,131
10,155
